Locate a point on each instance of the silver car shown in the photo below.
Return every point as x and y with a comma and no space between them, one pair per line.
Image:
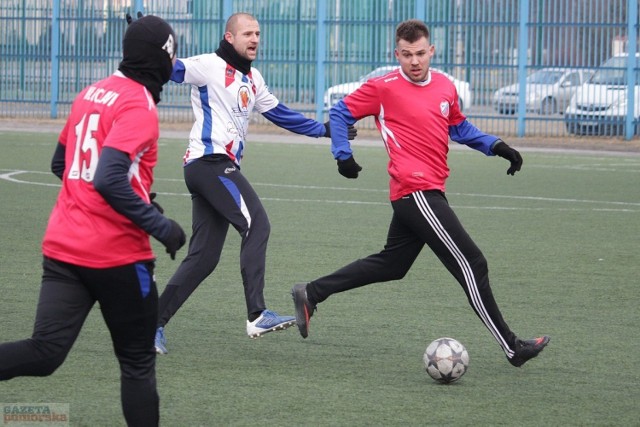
600,106
337,92
548,91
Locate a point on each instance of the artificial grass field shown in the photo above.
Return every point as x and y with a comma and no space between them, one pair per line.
562,239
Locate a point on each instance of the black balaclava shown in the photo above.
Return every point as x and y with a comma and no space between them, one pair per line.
227,52
148,47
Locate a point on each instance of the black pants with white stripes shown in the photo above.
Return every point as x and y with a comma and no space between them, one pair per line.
220,195
421,218
129,305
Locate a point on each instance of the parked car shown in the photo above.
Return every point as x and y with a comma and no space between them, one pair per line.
548,91
600,106
337,92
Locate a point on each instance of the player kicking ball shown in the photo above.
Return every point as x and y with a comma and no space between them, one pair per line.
416,111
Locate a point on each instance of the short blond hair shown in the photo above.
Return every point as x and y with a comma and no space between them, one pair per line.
232,22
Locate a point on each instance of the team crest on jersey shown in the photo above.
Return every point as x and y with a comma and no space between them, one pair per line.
243,99
444,108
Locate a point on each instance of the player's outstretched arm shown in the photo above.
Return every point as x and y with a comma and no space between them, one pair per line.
352,132
341,119
295,122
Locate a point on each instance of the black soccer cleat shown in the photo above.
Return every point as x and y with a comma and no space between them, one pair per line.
304,310
528,349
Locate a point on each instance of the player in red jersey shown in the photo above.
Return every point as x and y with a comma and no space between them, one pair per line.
96,246
416,111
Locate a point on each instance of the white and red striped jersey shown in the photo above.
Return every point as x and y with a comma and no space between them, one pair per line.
222,99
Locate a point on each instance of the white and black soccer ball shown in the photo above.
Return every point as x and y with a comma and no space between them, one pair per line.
446,360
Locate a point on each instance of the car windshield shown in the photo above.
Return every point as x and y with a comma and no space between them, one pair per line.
545,77
614,72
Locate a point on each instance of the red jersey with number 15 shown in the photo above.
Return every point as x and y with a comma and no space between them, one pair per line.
83,229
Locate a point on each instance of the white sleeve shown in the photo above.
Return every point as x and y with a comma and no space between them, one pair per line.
197,69
265,100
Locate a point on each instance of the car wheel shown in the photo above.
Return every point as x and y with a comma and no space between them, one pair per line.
548,106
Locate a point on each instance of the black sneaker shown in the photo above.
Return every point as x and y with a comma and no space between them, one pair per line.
304,310
528,349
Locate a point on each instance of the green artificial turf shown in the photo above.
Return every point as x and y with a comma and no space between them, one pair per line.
561,237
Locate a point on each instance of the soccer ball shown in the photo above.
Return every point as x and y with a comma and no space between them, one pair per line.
446,360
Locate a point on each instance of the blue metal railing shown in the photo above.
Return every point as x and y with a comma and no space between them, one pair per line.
50,49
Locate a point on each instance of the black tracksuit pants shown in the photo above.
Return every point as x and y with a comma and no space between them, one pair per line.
220,196
128,301
424,217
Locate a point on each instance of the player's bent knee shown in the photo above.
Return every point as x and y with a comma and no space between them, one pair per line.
397,273
48,367
50,357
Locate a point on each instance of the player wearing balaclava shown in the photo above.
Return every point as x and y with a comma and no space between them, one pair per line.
148,49
96,248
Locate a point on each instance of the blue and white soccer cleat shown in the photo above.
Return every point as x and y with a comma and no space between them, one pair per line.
161,341
269,321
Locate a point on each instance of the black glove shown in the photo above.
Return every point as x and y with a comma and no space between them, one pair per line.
500,148
352,132
155,204
175,240
349,168
130,20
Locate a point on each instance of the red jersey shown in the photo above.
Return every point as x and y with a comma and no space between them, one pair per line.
83,229
413,120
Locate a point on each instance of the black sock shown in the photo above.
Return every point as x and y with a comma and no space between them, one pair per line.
254,316
310,296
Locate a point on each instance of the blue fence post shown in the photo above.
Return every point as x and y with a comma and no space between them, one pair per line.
632,48
138,6
23,45
523,48
227,11
321,49
421,9
55,59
